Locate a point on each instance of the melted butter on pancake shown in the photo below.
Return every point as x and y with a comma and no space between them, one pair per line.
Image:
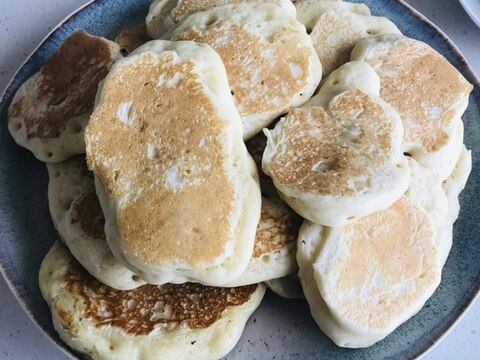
423,87
336,151
159,195
387,261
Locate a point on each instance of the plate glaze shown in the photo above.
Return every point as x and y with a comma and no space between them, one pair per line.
280,329
472,7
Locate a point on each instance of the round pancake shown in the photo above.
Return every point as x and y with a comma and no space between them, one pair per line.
177,186
79,220
275,244
51,109
339,157
363,280
269,58
427,91
188,321
165,15
335,27
132,37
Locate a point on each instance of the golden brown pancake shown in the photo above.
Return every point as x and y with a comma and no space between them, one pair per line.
427,91
164,143
187,321
270,62
50,110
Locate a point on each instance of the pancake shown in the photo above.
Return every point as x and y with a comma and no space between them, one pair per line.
364,280
335,27
132,37
79,220
456,182
256,146
177,186
338,157
427,91
288,287
50,110
270,62
275,244
165,15
188,321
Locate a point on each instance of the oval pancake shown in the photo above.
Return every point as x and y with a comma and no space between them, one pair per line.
335,27
165,15
187,321
51,109
269,58
427,91
338,157
164,143
363,280
79,220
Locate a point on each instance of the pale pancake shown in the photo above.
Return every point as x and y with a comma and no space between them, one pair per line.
51,109
288,287
271,64
427,91
275,244
181,198
188,321
339,157
132,37
336,26
456,182
79,220
165,15
363,280
453,186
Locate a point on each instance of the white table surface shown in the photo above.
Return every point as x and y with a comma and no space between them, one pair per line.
23,24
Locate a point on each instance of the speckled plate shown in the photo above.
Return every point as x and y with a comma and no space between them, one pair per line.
280,329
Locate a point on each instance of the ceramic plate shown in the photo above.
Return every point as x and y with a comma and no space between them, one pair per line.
472,7
280,329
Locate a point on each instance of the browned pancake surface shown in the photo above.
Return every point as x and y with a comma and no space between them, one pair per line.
67,85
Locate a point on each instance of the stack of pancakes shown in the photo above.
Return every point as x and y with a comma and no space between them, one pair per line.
207,148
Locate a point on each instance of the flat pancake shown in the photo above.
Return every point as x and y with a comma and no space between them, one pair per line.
270,62
188,321
427,91
335,27
79,220
275,244
51,109
165,145
338,157
165,15
363,280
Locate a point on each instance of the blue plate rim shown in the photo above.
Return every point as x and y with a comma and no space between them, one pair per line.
467,70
